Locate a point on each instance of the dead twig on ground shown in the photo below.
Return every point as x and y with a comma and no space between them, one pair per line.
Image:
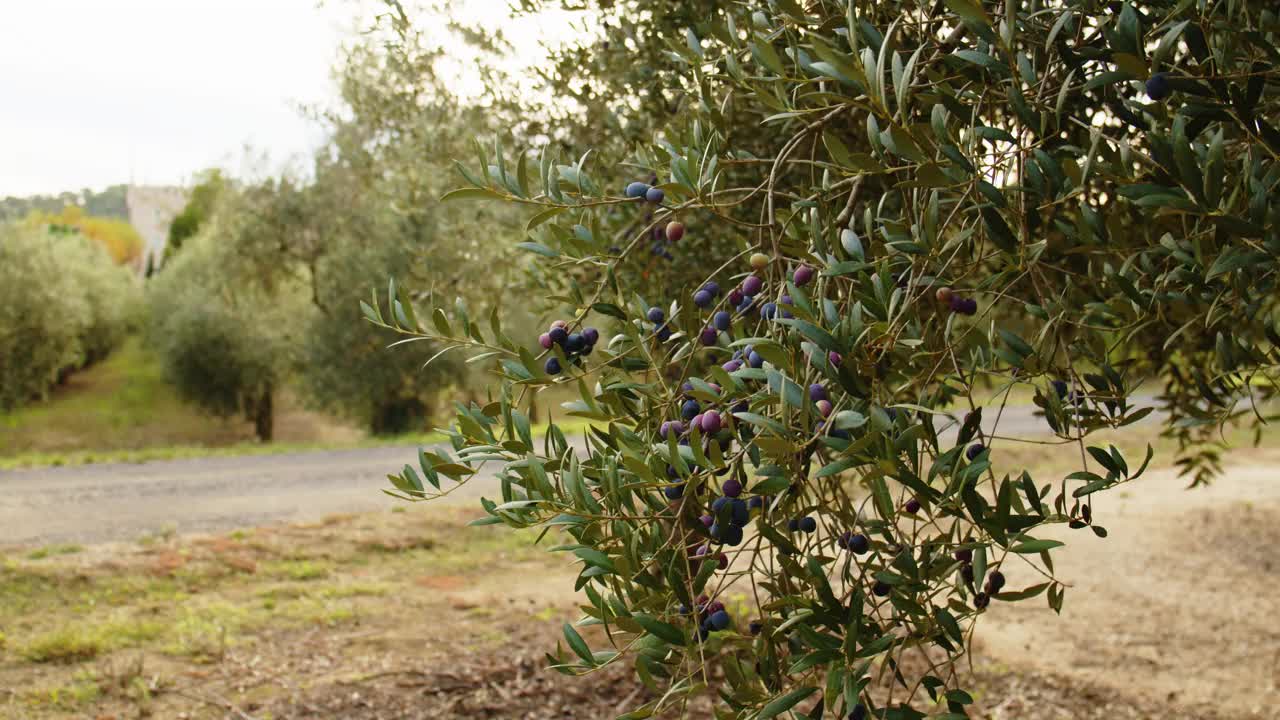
216,702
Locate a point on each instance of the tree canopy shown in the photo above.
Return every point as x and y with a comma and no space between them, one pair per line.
790,492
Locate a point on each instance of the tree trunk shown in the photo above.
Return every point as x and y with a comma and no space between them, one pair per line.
264,417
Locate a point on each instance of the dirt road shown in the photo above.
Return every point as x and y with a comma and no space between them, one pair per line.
1177,605
95,503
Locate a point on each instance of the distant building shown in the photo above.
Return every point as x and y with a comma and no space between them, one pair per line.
151,210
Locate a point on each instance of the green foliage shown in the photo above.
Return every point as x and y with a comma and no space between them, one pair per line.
369,209
199,208
63,304
222,338
345,364
987,195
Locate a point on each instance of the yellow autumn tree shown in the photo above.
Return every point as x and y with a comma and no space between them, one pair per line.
117,236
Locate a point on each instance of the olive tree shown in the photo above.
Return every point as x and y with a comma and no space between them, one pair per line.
222,331
777,500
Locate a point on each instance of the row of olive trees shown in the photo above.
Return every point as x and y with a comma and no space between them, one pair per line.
64,304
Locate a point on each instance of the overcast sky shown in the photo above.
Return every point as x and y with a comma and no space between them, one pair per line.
98,92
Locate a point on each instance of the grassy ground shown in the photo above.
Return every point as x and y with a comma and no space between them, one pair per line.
122,410
119,626
123,405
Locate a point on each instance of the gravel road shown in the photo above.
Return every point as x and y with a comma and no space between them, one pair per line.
106,502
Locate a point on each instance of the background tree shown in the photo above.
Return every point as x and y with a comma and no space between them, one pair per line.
369,208
110,203
116,236
221,329
199,208
1074,197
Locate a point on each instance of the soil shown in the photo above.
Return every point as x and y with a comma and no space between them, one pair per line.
1171,616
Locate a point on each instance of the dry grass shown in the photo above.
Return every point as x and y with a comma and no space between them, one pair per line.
183,604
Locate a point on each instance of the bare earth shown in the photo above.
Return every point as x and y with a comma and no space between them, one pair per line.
1178,605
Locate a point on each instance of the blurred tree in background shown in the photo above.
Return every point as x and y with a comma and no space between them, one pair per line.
199,208
115,235
109,203
223,329
369,209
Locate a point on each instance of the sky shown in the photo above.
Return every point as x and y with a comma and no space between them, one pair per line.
99,92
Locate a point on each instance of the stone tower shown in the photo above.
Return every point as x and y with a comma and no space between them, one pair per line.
151,209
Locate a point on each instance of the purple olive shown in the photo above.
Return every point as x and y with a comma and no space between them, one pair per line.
802,275
995,581
1158,86
752,285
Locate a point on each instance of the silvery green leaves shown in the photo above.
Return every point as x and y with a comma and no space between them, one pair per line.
989,208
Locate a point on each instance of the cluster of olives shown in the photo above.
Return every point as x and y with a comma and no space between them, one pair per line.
574,345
